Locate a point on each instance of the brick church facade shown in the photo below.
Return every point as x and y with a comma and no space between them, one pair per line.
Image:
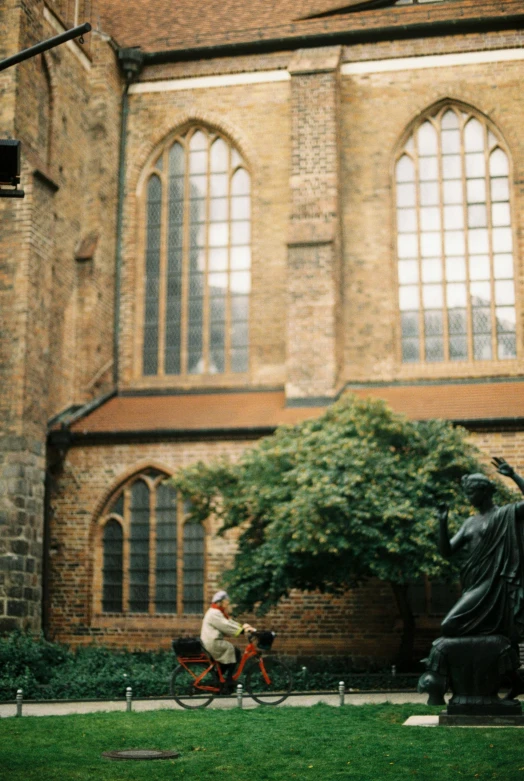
235,212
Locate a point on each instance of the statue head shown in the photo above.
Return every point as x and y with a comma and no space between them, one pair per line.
478,488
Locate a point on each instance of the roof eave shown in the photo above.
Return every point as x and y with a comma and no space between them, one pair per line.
462,26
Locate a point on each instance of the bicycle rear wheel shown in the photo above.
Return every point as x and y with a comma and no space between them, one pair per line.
278,685
183,688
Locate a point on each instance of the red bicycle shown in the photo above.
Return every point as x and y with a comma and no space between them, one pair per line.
199,678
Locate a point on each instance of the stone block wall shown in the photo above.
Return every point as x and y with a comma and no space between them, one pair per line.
50,104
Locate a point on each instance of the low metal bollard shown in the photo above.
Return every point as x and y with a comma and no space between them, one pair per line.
240,692
341,691
129,699
19,700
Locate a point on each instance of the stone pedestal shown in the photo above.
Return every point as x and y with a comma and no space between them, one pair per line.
449,720
473,668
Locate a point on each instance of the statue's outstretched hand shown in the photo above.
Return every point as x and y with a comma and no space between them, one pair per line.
442,512
502,466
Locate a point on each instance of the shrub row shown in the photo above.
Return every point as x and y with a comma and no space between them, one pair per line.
49,671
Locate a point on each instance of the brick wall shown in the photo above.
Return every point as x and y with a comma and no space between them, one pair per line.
376,110
69,152
363,624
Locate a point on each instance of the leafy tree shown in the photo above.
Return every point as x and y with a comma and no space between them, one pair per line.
332,502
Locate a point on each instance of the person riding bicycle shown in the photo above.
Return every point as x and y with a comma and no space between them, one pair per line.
215,625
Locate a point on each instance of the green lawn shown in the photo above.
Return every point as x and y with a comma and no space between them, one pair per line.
361,743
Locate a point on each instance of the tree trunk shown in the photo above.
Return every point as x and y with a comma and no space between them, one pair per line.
407,641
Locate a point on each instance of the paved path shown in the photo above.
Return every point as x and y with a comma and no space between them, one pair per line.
66,708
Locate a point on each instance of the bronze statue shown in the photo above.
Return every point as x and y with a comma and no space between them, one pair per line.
492,574
480,634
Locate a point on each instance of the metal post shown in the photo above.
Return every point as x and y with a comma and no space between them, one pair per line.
19,699
341,691
393,670
129,699
239,695
44,46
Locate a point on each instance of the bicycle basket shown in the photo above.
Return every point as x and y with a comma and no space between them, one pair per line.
265,640
187,646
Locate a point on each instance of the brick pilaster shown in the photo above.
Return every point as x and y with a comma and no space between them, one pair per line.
313,282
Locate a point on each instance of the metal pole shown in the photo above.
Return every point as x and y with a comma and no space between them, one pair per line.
393,670
19,699
239,695
43,46
129,699
341,691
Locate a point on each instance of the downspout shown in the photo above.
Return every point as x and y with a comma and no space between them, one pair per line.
131,61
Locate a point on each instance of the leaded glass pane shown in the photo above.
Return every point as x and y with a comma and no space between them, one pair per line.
430,218
432,270
410,324
506,346
451,167
479,267
241,184
139,548
452,192
407,271
482,348
408,297
427,140
405,170
474,136
112,573
406,220
219,156
498,163
410,350
455,269
166,549
240,258
434,349
193,568
503,266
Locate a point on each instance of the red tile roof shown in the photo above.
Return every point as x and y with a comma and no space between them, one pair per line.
266,409
159,25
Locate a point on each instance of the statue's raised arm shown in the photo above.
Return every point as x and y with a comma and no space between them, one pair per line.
503,468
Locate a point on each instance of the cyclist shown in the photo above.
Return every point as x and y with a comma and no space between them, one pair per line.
215,625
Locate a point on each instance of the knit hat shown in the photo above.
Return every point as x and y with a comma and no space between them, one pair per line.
219,596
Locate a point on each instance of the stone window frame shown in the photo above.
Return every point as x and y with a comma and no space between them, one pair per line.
152,476
495,140
237,161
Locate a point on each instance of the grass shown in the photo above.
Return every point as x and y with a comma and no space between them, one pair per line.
322,743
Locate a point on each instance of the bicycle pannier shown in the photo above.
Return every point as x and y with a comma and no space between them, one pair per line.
187,646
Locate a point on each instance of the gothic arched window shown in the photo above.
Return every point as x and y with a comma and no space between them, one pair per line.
152,559
455,241
197,259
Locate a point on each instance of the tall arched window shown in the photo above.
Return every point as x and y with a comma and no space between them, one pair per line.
455,245
197,259
152,559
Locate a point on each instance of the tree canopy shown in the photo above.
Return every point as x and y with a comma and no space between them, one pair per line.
331,502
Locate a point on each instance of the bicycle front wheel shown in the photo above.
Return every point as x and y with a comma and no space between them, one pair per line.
183,688
269,681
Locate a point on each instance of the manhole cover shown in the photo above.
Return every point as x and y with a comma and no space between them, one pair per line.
140,753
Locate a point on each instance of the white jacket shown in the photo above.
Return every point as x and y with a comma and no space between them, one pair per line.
214,626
